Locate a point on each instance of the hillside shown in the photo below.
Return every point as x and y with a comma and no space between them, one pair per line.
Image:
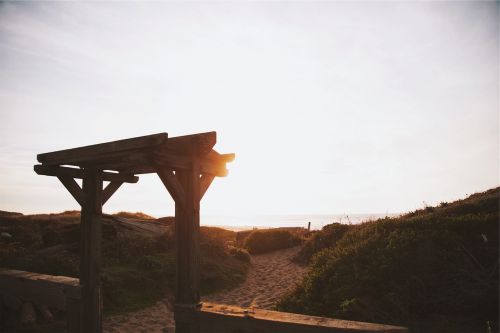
138,254
434,270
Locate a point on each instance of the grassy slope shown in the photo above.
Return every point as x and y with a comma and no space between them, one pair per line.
138,268
435,269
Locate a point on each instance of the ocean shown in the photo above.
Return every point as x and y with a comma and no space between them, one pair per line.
244,222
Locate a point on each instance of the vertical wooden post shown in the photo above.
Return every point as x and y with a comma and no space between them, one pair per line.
73,315
90,252
187,230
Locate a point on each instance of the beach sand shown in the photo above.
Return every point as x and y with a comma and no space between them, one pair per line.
271,275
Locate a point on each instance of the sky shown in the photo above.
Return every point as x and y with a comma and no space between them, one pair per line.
330,107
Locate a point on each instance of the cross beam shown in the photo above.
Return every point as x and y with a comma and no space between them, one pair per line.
186,165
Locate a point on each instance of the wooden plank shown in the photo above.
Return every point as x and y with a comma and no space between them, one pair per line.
73,188
62,156
205,182
110,190
90,252
112,160
140,169
202,142
224,157
48,170
227,319
177,162
119,162
38,288
172,184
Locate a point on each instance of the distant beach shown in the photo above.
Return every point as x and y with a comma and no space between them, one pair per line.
245,222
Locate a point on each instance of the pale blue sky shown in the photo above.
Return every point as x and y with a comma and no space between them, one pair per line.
330,107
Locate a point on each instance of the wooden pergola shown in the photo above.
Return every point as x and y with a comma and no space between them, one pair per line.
186,165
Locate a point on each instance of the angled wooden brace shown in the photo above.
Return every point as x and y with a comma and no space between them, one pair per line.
172,185
74,189
110,190
205,181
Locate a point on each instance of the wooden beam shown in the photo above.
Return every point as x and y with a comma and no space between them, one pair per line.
110,190
139,169
49,290
223,318
218,157
73,188
90,252
112,160
178,162
202,142
187,236
49,170
63,156
205,181
172,184
119,162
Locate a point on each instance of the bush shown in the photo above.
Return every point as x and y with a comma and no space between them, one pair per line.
328,237
136,215
431,271
240,254
138,267
263,241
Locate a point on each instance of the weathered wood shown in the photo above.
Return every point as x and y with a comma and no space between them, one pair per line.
205,182
173,185
74,315
127,158
28,314
224,157
178,162
187,229
49,290
63,156
138,170
90,252
110,190
73,188
49,170
121,163
228,319
202,143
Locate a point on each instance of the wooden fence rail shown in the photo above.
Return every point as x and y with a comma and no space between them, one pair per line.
59,292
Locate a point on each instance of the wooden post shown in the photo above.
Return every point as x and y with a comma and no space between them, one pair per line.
187,230
73,315
90,252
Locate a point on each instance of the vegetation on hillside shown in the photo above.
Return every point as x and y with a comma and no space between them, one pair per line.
138,265
268,240
434,270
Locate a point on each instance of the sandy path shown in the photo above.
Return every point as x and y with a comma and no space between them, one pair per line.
270,277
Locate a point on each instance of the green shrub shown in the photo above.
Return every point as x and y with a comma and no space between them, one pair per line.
328,237
431,271
263,241
138,268
240,254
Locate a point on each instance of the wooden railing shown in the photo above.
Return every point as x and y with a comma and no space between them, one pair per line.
59,292
220,318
